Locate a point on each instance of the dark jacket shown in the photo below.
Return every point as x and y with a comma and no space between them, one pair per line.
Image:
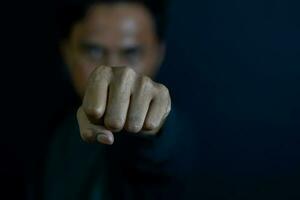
135,167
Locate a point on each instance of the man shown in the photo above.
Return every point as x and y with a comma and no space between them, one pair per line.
116,34
112,50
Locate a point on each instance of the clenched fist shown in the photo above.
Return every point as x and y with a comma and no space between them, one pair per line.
116,99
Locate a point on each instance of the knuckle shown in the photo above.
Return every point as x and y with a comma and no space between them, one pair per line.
150,125
114,124
107,70
167,104
146,83
165,95
103,68
128,74
145,80
144,86
93,112
125,71
162,94
133,128
124,75
163,89
128,71
168,110
100,73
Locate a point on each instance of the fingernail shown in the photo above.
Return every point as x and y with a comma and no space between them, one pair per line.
102,138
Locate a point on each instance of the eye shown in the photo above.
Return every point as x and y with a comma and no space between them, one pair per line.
93,52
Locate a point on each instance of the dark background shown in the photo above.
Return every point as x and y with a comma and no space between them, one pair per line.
234,71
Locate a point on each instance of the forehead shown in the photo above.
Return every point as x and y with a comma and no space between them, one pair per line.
112,22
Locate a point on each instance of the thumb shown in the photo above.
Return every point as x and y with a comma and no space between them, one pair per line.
92,133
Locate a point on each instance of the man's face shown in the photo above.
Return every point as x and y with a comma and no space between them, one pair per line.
116,35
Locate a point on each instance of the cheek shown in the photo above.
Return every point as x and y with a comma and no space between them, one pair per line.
146,65
150,64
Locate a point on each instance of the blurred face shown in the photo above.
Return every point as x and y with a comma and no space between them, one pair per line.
120,34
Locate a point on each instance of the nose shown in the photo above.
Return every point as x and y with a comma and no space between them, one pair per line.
114,60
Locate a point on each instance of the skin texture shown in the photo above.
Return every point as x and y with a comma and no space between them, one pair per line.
134,103
111,55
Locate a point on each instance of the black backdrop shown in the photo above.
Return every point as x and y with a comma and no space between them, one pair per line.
235,72
233,68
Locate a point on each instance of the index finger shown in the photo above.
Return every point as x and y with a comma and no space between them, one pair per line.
93,133
95,98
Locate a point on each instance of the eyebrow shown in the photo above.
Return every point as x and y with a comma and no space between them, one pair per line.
88,44
131,48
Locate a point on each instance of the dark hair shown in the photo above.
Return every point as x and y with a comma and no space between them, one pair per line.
71,11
